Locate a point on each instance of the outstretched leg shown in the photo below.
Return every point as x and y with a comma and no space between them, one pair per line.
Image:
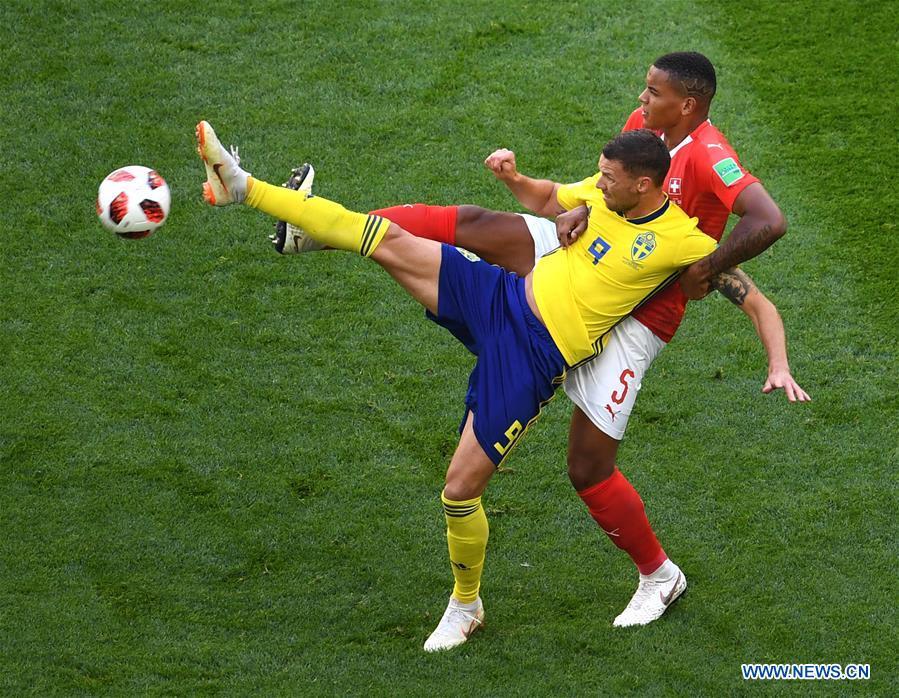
498,237
413,262
495,236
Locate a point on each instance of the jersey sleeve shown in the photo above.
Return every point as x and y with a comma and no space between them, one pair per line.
573,195
725,176
695,246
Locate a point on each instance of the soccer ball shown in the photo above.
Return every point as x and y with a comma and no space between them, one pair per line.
133,201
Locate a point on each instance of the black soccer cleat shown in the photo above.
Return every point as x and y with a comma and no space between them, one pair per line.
290,239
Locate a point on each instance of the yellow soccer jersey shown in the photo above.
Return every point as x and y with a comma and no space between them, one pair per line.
582,291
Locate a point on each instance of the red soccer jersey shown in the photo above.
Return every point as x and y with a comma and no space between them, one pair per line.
704,180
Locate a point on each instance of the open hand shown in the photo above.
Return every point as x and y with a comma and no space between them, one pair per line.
780,378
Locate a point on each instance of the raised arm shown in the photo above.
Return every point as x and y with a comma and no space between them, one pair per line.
761,224
736,286
537,195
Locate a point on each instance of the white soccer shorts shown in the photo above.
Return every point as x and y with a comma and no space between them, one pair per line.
605,388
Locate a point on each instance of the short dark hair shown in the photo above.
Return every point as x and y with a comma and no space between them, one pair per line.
642,154
691,71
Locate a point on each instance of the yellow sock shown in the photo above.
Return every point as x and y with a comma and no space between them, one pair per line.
466,533
326,221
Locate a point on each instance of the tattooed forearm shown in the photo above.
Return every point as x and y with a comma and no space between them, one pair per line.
734,284
744,243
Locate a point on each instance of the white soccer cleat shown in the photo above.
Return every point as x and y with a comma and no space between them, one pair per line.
655,593
289,238
458,623
226,182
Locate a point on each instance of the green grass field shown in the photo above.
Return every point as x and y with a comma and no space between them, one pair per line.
220,468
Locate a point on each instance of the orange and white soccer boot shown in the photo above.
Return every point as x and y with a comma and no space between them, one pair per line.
226,182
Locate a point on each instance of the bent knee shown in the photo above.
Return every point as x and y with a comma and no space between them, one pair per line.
588,469
462,485
458,490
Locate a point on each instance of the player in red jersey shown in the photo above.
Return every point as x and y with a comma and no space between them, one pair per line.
707,180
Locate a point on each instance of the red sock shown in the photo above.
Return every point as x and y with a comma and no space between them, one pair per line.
615,505
423,221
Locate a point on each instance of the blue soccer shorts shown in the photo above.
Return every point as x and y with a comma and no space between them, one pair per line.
518,365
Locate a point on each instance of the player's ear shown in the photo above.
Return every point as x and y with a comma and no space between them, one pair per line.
689,106
644,184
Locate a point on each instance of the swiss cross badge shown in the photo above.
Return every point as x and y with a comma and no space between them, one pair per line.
674,186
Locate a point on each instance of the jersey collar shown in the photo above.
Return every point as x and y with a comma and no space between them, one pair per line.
689,139
652,216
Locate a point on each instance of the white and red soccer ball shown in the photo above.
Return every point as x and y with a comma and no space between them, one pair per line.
133,201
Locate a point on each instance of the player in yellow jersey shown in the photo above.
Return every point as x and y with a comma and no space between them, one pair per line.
629,256
525,332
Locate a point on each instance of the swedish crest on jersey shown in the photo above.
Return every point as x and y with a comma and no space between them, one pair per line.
643,246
